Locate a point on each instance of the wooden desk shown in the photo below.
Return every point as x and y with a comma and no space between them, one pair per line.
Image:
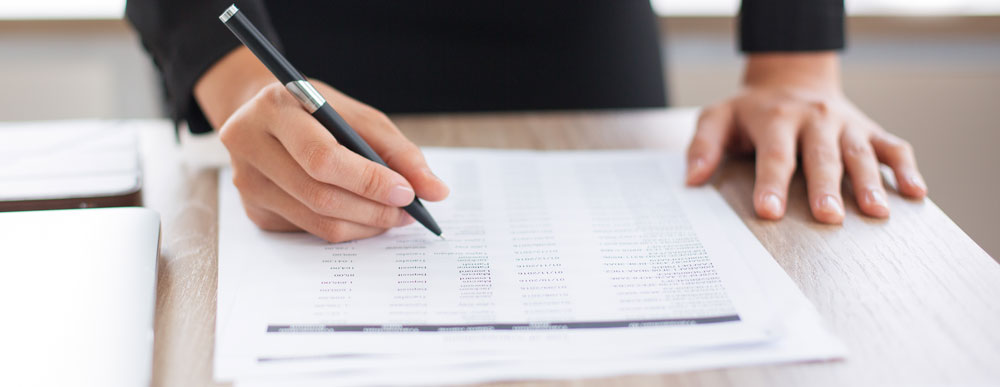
915,300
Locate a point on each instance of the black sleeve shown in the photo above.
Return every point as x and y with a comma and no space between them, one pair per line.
791,25
184,38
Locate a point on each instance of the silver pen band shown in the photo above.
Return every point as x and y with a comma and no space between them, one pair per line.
307,95
232,10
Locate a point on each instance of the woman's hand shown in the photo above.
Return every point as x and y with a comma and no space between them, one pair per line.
792,103
291,172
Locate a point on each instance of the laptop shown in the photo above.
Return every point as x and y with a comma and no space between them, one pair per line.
77,295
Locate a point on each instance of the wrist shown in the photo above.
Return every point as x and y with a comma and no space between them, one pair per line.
229,83
812,70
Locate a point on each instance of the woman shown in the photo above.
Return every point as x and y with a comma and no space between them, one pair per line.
450,55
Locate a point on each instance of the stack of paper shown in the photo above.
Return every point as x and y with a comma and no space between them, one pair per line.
556,265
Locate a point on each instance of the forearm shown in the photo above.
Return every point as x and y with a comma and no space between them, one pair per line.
229,83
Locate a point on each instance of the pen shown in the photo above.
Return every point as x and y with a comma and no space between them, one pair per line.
311,99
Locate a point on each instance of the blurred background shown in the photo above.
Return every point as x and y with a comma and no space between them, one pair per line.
927,70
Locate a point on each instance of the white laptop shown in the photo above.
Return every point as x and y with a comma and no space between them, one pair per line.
77,295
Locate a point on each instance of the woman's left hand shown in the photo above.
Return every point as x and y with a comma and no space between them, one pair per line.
792,103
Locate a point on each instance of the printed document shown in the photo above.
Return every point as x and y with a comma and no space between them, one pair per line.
554,264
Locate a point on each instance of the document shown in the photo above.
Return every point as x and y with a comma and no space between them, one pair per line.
549,259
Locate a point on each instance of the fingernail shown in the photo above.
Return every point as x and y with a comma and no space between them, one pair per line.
830,205
877,198
695,166
401,196
918,182
771,204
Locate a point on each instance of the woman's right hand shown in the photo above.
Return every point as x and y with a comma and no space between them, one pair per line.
292,174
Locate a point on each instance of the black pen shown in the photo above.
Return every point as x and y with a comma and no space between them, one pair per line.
297,84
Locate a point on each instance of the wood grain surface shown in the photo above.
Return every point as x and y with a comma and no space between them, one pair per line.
914,298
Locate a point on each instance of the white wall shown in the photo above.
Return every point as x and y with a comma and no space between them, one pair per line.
74,69
113,9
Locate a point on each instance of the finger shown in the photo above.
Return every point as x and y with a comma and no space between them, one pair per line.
775,147
323,159
268,220
263,218
274,164
898,155
859,158
403,156
711,137
399,153
823,169
739,143
273,199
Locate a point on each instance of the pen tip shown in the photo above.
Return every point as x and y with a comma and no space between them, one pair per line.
441,236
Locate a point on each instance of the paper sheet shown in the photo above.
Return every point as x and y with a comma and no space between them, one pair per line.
549,255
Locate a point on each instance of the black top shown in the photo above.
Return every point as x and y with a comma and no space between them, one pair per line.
460,55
